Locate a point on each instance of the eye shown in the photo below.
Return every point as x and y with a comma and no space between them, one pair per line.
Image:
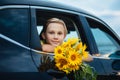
60,33
51,32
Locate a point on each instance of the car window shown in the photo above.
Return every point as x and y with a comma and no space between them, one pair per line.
70,34
14,28
41,16
104,40
15,25
69,21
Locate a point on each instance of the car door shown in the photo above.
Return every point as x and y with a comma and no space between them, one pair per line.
108,45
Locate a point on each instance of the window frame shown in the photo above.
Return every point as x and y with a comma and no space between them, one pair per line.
37,57
88,36
59,11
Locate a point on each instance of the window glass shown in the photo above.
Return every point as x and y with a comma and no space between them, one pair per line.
103,37
104,41
14,24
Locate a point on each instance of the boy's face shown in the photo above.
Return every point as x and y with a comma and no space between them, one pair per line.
54,34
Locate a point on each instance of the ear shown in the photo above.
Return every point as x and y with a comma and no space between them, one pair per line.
43,35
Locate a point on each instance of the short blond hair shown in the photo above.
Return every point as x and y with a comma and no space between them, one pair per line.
56,20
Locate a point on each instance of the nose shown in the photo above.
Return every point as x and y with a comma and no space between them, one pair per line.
56,36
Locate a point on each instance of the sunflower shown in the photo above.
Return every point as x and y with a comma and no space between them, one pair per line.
66,71
74,57
84,47
59,50
61,62
73,67
79,46
85,54
67,51
72,41
65,44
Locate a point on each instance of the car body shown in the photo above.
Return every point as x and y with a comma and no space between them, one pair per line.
21,23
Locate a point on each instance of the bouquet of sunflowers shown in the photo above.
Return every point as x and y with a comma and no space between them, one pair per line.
68,59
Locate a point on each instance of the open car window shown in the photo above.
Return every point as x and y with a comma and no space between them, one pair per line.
41,16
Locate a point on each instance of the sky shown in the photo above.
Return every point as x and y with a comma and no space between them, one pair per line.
107,10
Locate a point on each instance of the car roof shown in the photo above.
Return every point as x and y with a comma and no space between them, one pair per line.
51,4
44,3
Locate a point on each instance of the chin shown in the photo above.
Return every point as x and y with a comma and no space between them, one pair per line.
56,44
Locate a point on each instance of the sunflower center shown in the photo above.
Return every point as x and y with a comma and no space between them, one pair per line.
59,51
63,62
73,57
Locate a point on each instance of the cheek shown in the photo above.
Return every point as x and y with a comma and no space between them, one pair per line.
62,38
48,37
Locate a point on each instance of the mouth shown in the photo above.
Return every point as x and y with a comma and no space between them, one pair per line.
55,42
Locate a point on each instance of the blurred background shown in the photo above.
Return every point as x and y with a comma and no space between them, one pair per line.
107,10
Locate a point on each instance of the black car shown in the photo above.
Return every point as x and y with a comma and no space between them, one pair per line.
21,22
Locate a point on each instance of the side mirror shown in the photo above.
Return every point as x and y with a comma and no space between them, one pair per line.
116,63
115,54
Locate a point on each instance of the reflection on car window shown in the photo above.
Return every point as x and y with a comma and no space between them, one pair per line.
104,41
14,22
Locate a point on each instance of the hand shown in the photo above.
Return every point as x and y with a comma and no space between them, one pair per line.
89,59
